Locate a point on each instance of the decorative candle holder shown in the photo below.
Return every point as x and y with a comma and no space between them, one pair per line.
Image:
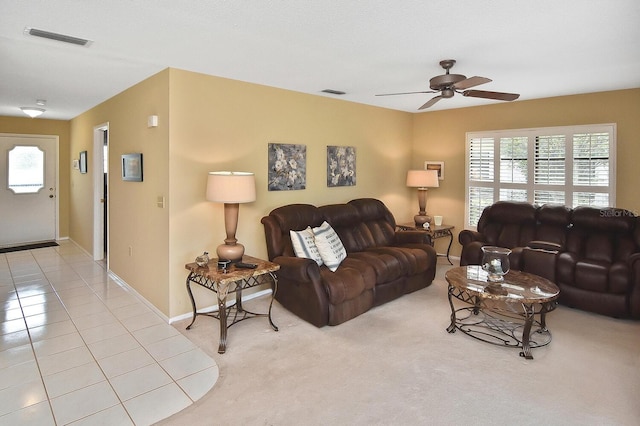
495,262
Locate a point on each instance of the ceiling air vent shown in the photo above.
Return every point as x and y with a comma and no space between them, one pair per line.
58,37
333,92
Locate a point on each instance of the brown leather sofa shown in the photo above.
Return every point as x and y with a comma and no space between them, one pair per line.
381,264
592,254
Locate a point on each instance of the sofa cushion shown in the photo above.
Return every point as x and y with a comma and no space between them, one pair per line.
353,278
304,245
387,267
284,219
343,218
553,222
592,276
508,224
329,245
412,260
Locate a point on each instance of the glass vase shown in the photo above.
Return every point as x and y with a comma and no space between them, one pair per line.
495,261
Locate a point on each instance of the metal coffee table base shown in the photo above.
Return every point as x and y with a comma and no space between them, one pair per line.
501,329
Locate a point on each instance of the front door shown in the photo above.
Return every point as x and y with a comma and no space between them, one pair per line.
27,188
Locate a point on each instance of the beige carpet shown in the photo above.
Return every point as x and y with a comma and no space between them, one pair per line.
396,365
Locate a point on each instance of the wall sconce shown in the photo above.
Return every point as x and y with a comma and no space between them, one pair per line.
423,180
231,188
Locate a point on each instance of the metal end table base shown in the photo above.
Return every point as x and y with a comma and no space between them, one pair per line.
234,312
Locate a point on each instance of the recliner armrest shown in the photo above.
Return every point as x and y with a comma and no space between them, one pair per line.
467,236
298,268
420,237
544,245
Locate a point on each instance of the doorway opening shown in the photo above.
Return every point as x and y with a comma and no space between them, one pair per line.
101,192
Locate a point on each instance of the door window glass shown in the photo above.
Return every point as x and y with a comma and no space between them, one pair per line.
25,169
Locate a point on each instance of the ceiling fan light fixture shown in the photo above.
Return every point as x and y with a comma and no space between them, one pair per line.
33,112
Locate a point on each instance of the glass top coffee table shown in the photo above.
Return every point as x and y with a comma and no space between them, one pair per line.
510,313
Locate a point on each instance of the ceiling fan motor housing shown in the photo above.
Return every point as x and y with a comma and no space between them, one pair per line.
444,81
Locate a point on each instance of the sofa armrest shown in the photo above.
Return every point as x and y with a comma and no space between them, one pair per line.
419,237
298,269
467,236
301,290
634,296
544,245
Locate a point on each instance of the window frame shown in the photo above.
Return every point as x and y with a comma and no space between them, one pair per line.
568,188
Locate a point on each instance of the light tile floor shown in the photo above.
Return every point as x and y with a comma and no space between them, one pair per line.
78,348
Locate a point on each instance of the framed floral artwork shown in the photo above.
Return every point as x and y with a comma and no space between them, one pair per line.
287,167
341,166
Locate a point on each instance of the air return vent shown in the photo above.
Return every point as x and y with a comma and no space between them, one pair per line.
58,37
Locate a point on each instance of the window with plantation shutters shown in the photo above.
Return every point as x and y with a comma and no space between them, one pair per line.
573,166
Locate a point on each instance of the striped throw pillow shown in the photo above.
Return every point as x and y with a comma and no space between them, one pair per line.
329,245
304,245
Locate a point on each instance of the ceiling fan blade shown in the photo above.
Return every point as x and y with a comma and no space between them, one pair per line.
406,93
471,82
430,102
500,96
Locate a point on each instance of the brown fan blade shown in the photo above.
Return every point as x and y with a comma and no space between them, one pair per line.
406,93
471,82
500,96
431,102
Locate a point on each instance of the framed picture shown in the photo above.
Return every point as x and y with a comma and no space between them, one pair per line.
83,162
287,167
341,166
435,165
132,167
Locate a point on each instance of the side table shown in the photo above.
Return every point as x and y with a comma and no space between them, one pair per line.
436,231
234,280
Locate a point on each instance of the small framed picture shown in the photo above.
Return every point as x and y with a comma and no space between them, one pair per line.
132,167
83,162
435,165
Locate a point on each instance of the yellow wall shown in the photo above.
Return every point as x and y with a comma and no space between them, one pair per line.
440,136
135,221
220,124
58,128
209,123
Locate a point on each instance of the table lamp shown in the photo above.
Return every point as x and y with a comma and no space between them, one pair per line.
423,180
231,188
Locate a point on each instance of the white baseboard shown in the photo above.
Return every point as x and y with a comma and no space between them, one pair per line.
214,308
150,305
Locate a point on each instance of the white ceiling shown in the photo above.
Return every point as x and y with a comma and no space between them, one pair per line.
538,48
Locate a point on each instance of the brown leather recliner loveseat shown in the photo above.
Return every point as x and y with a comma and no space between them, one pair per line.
593,255
381,263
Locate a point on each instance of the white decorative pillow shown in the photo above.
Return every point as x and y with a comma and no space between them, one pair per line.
304,245
329,245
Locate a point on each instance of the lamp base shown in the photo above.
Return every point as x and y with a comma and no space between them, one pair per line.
231,252
421,219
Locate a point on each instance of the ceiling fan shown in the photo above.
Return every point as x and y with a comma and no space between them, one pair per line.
448,84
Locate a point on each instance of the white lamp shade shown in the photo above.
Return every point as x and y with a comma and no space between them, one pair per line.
231,187
422,179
